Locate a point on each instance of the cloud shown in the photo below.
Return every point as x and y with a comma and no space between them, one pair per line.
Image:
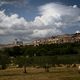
14,2
75,6
45,33
53,20
57,13
77,31
12,25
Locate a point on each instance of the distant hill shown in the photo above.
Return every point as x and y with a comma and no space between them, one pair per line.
66,38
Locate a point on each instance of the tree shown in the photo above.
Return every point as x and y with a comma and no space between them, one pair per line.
42,61
23,61
4,59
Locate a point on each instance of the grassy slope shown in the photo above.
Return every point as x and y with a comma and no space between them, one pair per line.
40,74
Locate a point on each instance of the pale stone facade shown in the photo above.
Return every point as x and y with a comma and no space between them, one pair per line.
59,39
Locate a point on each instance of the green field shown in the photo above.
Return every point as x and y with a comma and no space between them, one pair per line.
40,74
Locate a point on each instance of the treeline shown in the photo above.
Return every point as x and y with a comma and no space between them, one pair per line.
42,55
44,50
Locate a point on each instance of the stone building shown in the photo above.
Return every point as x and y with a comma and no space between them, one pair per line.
67,38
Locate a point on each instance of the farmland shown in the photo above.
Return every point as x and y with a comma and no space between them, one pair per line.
56,73
38,62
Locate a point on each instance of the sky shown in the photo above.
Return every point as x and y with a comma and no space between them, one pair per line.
28,20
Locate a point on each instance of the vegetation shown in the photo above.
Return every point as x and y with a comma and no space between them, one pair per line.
4,60
43,55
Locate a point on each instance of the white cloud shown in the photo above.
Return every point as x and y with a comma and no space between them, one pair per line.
12,21
77,31
17,3
53,19
45,33
74,6
51,13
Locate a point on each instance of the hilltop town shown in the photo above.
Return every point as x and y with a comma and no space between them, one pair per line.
59,39
66,38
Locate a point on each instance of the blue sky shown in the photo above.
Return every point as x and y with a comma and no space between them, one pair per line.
28,9
28,20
